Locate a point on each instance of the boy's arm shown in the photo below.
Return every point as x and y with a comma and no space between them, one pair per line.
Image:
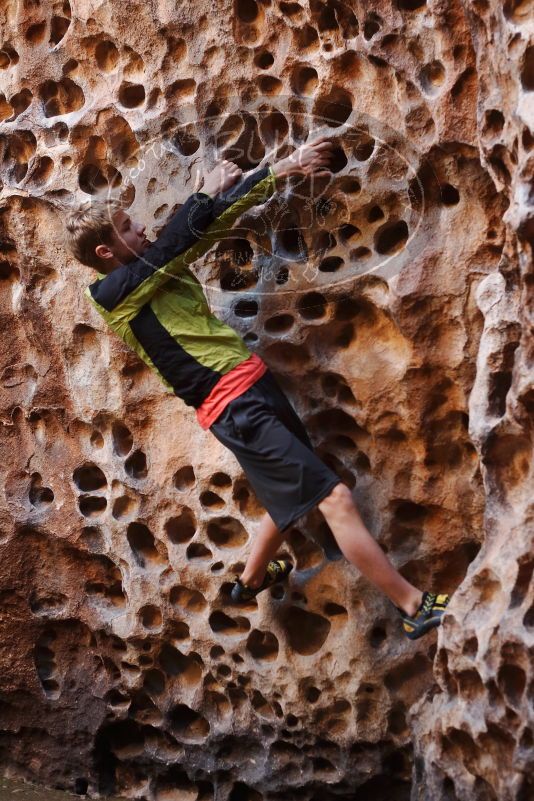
224,200
206,220
187,225
182,230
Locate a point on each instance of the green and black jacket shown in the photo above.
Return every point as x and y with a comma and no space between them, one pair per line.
157,305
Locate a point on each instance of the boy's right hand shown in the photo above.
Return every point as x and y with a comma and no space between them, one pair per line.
308,159
223,176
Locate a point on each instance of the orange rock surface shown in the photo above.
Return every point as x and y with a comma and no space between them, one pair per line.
393,302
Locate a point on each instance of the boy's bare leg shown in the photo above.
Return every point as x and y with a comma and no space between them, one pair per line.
363,551
266,544
355,541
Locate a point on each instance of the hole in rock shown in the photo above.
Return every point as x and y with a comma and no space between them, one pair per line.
188,724
246,308
45,663
107,55
312,305
63,97
263,60
174,663
291,9
131,95
334,610
135,465
375,213
391,237
221,480
234,279
186,141
334,108
371,25
527,69
211,500
313,694
279,324
197,550
449,195
512,682
241,791
58,28
182,528
522,582
39,495
362,145
8,56
331,264
91,506
122,439
89,477
348,233
36,32
226,532
269,85
338,160
306,631
290,244
191,600
410,5
150,616
143,544
263,645
432,77
377,635
49,604
154,681
282,275
220,622
274,127
304,79
246,10
92,538
81,786
92,179
184,478
397,718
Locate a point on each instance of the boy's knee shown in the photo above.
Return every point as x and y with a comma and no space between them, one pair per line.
339,498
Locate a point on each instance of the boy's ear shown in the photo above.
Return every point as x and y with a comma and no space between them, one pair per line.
104,252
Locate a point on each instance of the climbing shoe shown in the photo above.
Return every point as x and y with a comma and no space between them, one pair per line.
277,571
427,617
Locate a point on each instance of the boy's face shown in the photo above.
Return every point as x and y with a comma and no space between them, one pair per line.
129,240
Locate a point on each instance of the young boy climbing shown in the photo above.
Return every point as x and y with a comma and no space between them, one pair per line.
148,295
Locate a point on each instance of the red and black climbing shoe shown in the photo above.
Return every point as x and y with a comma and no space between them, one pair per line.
277,571
428,616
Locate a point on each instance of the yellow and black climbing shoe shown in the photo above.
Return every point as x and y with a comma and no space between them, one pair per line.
277,571
428,616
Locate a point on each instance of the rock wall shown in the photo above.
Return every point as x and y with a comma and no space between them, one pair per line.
394,304
475,740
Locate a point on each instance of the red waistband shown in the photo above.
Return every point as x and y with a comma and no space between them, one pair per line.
228,387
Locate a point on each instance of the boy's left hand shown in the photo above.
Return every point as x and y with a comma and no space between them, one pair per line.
223,176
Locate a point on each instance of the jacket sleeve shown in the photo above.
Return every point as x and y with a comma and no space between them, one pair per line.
224,200
207,222
182,230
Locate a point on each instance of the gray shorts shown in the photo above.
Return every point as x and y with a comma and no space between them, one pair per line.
269,441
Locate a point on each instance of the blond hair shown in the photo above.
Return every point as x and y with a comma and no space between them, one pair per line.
91,224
